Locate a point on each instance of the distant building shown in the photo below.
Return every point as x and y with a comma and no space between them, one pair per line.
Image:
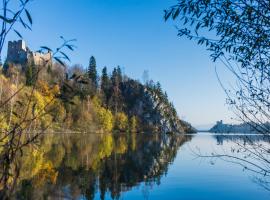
19,53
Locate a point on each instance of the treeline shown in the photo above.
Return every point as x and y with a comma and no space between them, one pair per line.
79,99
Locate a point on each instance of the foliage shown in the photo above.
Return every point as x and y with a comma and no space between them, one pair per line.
30,74
105,86
104,116
10,17
124,105
115,100
133,124
92,72
235,33
62,100
85,160
121,121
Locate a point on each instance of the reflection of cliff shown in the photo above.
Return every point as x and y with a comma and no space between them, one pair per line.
79,164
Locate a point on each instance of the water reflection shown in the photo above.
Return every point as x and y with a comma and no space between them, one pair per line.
244,138
76,166
250,151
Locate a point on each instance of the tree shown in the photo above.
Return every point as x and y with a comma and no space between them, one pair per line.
92,72
119,74
114,77
121,121
105,84
240,40
115,101
30,75
17,15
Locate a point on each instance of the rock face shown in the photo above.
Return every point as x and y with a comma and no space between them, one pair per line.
220,127
151,105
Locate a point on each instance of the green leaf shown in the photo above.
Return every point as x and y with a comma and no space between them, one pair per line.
66,57
20,36
29,17
176,13
24,24
9,21
70,47
59,61
47,48
167,14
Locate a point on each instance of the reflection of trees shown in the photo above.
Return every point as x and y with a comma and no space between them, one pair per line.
248,151
235,42
72,165
252,138
147,163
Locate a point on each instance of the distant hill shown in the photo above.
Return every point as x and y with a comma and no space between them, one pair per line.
220,127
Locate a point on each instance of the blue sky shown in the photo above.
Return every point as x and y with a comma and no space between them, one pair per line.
133,35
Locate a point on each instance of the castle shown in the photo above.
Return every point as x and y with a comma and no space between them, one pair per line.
19,53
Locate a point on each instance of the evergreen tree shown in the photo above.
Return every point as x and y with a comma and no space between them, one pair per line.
115,101
114,78
29,75
104,79
92,72
158,88
117,77
105,84
119,74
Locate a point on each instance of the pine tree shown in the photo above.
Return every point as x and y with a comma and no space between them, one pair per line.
92,72
117,77
114,78
116,99
105,85
29,75
119,74
105,81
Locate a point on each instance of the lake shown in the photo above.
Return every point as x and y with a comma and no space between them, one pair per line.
139,166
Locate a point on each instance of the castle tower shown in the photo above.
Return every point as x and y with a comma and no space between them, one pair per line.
17,52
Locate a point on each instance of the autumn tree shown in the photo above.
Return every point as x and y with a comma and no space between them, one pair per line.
121,121
33,108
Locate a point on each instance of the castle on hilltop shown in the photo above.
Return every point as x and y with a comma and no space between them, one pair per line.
19,53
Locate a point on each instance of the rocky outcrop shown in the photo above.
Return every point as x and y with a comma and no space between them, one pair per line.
151,105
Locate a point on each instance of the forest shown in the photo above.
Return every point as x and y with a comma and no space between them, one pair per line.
57,98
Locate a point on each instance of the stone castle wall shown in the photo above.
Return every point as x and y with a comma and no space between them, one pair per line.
19,53
41,58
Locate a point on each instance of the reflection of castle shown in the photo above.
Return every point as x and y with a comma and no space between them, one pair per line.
19,53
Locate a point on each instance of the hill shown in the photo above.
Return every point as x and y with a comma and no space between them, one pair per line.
77,99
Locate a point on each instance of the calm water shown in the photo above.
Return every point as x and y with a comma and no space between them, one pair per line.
89,166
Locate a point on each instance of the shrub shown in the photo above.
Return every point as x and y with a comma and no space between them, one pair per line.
121,121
